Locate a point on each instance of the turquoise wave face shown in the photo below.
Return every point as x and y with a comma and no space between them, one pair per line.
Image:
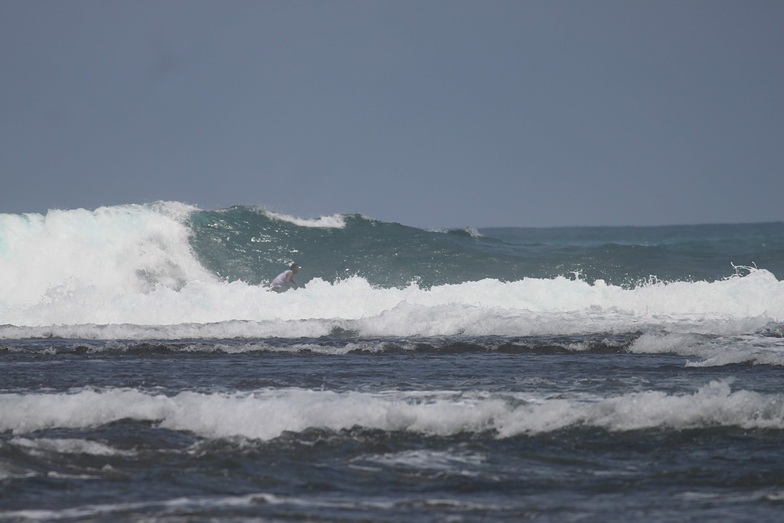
254,245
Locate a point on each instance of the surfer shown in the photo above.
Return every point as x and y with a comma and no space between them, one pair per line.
285,280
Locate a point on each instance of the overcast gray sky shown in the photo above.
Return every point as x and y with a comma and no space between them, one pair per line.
429,113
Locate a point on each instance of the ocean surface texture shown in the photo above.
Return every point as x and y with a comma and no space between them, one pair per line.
508,374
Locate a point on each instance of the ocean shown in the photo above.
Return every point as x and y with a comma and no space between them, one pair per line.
492,374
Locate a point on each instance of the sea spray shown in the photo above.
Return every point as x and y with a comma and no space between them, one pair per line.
82,255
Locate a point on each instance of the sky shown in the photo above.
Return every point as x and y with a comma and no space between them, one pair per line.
430,113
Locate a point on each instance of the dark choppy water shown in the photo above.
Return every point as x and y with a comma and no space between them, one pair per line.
451,431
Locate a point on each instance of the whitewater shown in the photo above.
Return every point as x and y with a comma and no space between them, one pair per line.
81,271
467,374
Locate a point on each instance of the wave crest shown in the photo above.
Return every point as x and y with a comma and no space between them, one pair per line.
269,413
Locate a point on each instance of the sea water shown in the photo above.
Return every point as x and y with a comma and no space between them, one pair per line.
507,374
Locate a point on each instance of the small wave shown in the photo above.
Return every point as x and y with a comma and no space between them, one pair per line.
331,345
713,350
69,446
335,221
468,232
267,414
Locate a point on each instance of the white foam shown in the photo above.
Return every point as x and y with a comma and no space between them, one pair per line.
174,506
268,413
461,462
115,511
68,446
473,232
335,221
213,309
712,350
79,255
